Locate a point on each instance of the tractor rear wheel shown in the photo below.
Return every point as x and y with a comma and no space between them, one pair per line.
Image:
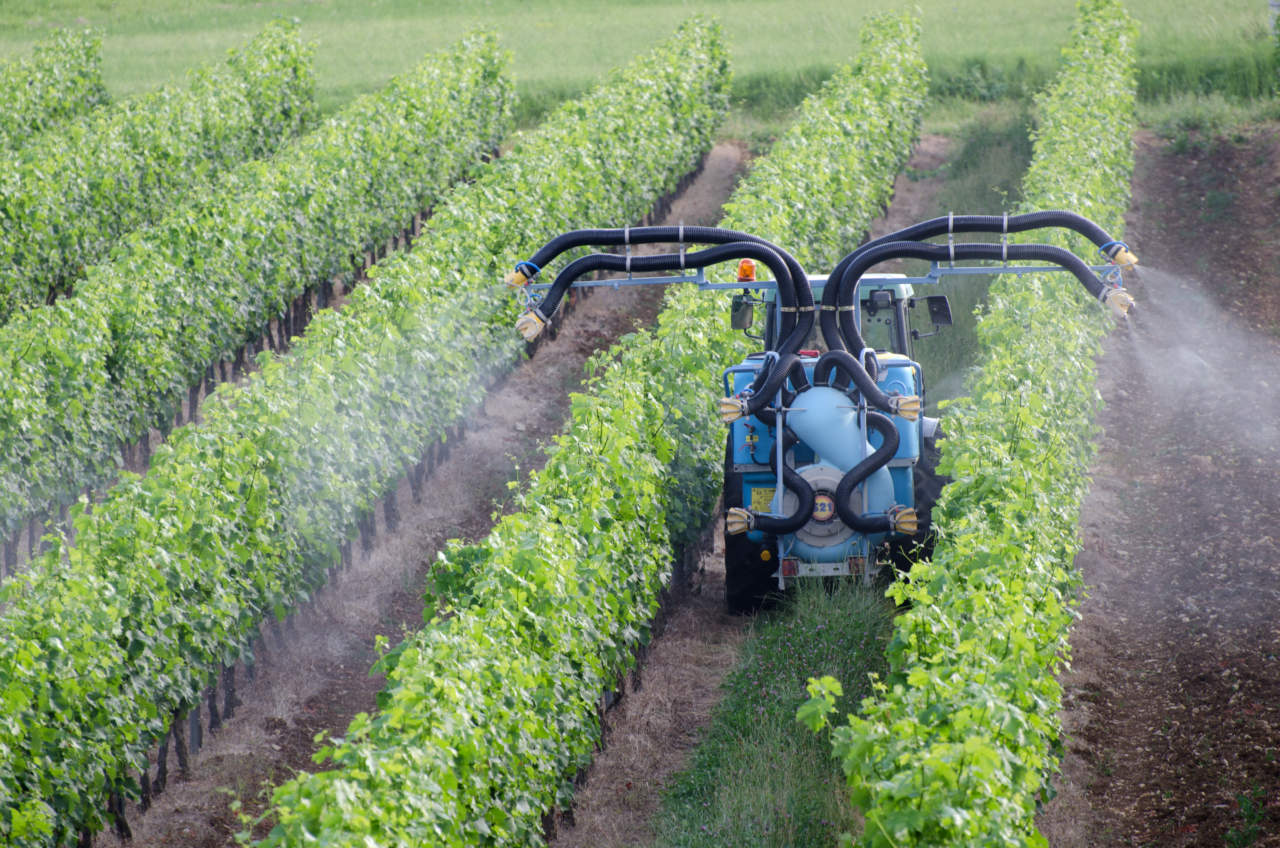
748,576
928,485
748,579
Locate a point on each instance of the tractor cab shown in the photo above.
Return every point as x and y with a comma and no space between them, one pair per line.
887,310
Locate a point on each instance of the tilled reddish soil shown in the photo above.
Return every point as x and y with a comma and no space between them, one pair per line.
1173,699
316,679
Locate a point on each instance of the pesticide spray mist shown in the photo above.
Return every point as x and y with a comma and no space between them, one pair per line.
1195,415
1202,362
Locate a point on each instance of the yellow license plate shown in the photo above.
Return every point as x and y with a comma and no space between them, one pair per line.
761,500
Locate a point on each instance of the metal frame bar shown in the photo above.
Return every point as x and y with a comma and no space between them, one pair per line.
934,277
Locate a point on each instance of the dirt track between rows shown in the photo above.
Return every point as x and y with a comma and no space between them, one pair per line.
1172,704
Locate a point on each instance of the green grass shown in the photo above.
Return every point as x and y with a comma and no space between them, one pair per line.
1194,121
759,778
975,48
1252,808
758,130
994,149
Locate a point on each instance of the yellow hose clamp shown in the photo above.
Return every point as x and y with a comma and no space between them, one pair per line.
1119,300
908,406
738,520
732,408
515,279
531,324
904,519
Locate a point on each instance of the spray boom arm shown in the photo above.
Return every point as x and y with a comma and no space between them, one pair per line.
830,405
840,305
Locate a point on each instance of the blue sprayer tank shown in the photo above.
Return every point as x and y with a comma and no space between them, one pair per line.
833,438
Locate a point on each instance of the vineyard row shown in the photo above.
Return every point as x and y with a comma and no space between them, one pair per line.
957,744
102,368
62,79
70,195
243,515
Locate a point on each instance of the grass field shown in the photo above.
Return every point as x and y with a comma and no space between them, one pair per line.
979,49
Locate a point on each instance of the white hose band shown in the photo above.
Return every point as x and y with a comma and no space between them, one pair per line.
951,237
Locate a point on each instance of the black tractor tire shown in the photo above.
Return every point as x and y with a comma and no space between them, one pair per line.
906,550
748,577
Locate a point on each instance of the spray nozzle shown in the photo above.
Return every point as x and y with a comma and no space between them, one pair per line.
1120,255
904,519
530,324
1126,259
524,272
908,406
738,520
1119,300
732,408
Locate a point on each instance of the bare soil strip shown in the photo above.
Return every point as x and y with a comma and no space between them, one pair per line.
316,679
1171,705
650,735
915,199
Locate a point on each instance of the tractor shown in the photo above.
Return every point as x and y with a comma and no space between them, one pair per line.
827,469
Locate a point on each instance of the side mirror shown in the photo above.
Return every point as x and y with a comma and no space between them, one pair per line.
939,310
939,313
742,314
